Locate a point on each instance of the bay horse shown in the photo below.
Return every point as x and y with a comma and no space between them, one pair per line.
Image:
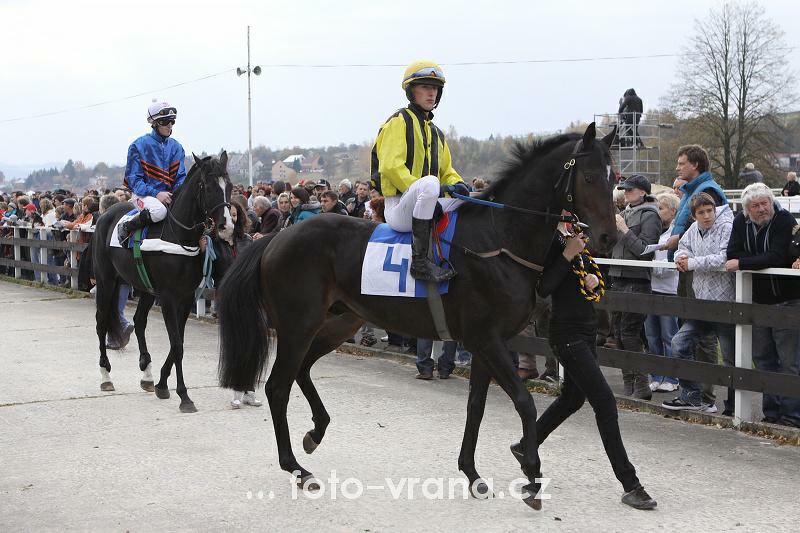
489,301
201,205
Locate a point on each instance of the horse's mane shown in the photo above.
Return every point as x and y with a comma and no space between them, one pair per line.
523,155
192,174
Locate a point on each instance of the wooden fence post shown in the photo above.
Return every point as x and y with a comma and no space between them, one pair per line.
743,411
17,254
73,259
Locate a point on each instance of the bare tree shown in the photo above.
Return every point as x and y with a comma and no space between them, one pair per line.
733,81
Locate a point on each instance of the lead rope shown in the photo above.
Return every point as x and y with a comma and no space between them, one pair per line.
208,268
583,267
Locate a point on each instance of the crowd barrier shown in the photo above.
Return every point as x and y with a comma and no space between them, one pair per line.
743,377
41,244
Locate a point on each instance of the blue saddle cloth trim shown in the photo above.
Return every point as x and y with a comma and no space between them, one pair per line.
145,229
385,234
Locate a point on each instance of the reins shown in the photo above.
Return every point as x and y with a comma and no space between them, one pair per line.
567,178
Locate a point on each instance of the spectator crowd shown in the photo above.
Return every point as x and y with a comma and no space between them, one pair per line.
690,224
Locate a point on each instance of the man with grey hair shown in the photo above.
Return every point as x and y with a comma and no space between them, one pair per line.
761,235
346,191
268,217
750,175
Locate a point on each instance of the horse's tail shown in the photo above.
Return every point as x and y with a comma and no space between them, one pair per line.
243,321
109,292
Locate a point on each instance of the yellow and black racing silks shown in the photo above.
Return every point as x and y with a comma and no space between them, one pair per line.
408,147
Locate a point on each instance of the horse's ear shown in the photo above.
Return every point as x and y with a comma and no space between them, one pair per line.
196,159
589,135
223,159
608,140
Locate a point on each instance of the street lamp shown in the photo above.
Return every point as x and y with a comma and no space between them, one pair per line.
257,71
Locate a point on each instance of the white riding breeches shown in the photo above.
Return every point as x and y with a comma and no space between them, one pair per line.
158,211
419,201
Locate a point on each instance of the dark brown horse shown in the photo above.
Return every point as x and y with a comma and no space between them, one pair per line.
488,302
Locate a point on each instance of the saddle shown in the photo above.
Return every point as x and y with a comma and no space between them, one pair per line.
151,239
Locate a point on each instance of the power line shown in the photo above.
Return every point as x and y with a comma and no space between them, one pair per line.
469,63
353,65
106,102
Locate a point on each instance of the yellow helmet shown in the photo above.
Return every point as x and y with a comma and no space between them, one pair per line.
423,72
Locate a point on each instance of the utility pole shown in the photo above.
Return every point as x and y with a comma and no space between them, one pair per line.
257,71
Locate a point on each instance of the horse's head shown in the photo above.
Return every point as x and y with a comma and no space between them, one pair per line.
215,194
592,188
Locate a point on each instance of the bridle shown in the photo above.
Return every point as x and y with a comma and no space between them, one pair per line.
207,223
565,183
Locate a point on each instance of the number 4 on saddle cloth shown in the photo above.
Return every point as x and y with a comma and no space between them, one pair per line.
387,262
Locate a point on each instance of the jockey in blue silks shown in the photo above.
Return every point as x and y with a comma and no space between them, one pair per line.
155,169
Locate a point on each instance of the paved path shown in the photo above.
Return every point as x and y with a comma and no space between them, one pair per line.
73,458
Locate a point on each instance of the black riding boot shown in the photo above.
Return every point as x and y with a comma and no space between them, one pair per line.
423,268
137,222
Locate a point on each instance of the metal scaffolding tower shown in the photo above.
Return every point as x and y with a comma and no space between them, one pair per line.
637,148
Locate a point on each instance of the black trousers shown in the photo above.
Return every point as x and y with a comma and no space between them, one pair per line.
583,381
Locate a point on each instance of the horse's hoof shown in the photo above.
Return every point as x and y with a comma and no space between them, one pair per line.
309,445
162,394
107,386
533,502
480,490
147,385
308,482
188,407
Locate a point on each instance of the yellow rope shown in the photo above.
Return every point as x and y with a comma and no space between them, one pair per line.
580,268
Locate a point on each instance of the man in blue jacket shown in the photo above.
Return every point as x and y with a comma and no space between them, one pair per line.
692,168
154,170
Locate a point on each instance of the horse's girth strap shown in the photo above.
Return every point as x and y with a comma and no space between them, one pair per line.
512,256
437,311
138,261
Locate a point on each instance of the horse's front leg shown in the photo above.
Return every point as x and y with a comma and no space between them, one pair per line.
478,386
146,301
497,358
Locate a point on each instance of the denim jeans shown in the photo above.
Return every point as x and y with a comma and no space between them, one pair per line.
684,345
124,291
659,330
583,381
446,360
778,350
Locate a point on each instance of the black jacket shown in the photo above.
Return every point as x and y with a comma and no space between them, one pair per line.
631,103
766,247
572,317
792,188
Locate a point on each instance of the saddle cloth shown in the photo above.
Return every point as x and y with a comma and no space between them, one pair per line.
150,245
387,262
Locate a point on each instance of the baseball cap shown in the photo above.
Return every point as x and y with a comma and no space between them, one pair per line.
637,181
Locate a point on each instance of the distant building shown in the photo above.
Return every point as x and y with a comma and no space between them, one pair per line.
281,171
788,161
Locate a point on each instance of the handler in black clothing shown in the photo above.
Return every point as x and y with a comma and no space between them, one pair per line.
573,328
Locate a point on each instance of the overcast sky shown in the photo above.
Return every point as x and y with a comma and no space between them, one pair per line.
60,55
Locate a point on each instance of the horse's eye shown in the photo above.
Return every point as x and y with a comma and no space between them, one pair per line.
589,178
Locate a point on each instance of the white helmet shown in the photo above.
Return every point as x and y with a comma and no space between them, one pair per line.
159,110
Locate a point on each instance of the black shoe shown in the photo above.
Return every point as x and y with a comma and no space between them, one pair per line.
126,336
422,268
425,375
444,375
639,499
135,223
